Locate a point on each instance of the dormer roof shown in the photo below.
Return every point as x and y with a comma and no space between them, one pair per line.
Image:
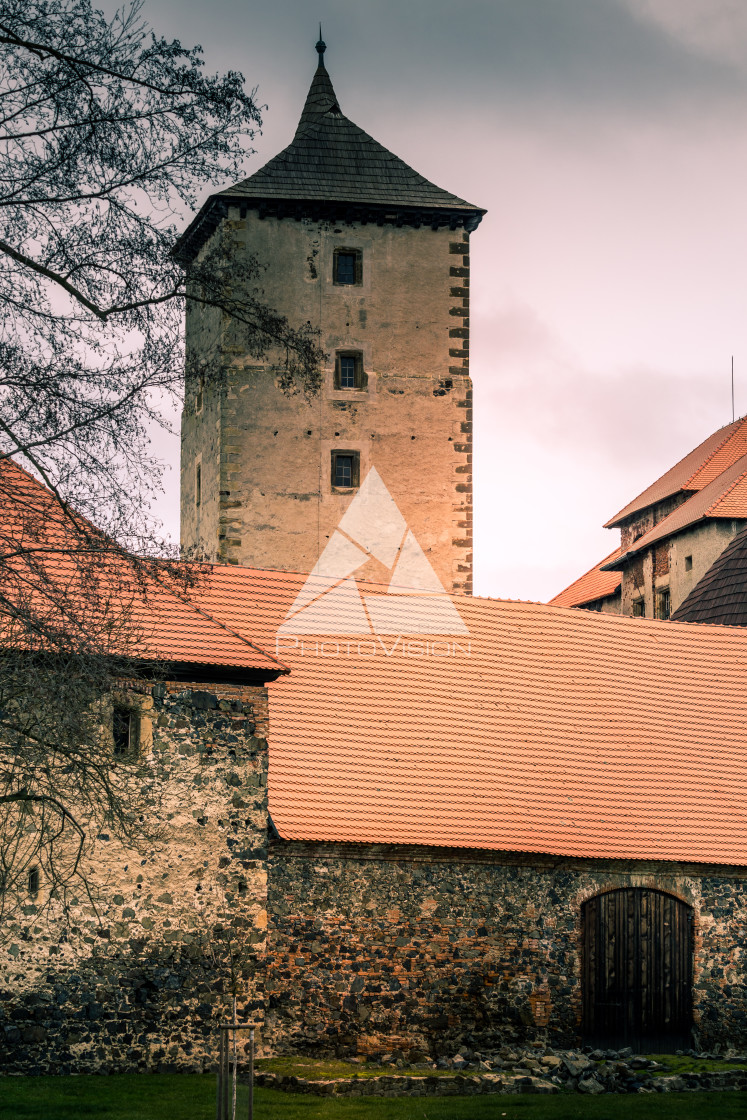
332,168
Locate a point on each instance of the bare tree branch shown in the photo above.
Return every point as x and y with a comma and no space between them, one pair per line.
108,134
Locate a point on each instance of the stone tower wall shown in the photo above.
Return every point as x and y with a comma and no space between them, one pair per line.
267,496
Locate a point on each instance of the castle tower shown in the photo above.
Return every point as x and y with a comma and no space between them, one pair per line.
366,250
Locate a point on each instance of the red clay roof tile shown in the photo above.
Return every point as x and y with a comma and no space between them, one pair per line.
725,496
593,585
543,730
695,471
55,554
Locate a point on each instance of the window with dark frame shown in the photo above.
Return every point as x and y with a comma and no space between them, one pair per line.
34,880
125,732
663,604
347,266
349,370
345,470
639,608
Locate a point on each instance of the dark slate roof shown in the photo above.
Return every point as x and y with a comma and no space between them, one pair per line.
721,595
332,163
332,158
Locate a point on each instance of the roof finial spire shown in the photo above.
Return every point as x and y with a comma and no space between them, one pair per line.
321,47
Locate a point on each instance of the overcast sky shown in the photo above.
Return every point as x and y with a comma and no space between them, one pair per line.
606,139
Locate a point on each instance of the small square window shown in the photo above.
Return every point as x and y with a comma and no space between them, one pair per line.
345,470
349,370
639,608
125,732
688,563
348,266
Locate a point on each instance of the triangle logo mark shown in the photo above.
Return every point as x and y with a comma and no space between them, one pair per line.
337,611
415,602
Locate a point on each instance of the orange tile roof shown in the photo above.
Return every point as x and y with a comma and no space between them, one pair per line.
169,626
695,471
594,584
542,730
724,496
71,571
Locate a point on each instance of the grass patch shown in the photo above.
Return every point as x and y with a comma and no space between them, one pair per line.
681,1063
132,1096
328,1069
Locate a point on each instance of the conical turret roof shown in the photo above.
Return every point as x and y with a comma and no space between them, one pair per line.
321,98
331,158
332,165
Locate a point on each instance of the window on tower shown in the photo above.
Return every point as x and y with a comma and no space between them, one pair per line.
345,470
348,266
349,370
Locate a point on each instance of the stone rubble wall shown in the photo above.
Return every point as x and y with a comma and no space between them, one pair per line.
139,976
390,1085
461,1085
375,949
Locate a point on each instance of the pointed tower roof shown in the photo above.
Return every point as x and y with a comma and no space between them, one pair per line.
332,168
321,98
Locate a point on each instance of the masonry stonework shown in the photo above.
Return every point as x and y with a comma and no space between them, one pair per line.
373,950
139,973
267,496
676,565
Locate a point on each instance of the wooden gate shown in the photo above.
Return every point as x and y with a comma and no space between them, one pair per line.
637,970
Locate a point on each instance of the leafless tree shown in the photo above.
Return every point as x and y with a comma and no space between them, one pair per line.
108,134
72,605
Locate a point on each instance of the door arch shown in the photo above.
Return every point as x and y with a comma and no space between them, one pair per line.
637,969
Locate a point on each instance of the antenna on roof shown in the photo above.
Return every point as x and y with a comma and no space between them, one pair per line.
732,388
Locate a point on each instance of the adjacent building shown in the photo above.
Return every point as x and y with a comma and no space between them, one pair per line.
671,534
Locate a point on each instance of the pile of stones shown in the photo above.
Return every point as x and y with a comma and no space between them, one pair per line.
600,1071
512,1070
